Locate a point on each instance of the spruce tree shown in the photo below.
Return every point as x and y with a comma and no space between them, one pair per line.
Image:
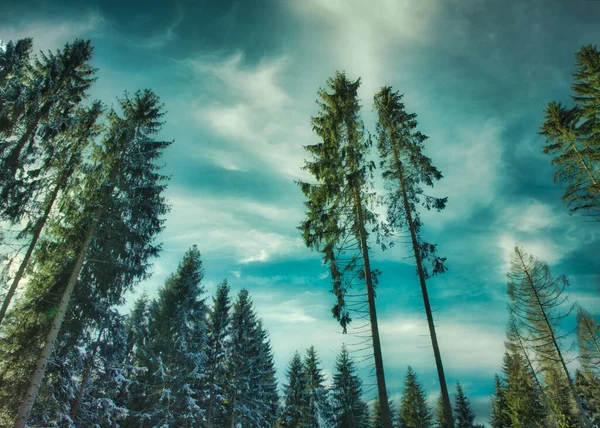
53,83
317,403
295,395
252,390
405,169
572,135
440,416
115,217
536,297
463,412
15,61
338,217
500,417
177,348
414,411
349,410
217,350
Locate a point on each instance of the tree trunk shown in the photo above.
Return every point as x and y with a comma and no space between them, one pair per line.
436,349
582,418
379,372
36,235
84,380
36,378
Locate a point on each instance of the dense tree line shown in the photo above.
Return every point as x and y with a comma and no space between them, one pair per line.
81,198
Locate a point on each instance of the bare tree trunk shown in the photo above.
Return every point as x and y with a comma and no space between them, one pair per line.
379,372
436,349
582,418
36,378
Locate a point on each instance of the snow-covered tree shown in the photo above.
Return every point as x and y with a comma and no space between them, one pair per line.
295,395
349,409
318,410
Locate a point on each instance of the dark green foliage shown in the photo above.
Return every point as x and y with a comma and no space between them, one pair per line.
295,395
573,136
463,412
349,410
317,404
414,411
440,417
217,351
252,394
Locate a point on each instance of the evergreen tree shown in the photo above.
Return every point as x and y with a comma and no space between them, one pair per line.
463,411
218,347
14,66
349,410
526,401
252,391
53,83
536,297
177,348
317,408
588,335
338,214
414,411
295,395
573,136
587,385
115,219
376,421
500,413
405,170
440,416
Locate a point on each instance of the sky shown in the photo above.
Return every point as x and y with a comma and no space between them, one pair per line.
239,81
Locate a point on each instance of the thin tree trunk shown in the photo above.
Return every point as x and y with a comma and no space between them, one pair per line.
36,235
84,380
36,379
436,349
379,372
60,183
582,418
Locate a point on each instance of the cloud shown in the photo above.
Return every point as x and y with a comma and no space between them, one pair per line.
53,34
230,227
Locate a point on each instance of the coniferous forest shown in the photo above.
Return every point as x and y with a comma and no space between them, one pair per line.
82,207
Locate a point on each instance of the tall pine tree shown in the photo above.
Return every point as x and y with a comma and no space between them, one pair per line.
405,170
294,394
414,411
463,412
338,217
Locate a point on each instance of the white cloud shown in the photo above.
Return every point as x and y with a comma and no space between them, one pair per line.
226,227
53,34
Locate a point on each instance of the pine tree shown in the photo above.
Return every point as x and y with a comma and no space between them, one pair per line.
463,411
317,407
177,348
349,410
14,64
217,349
536,297
295,395
338,212
53,83
500,412
376,421
252,390
116,217
405,170
588,335
414,411
572,136
440,416
526,401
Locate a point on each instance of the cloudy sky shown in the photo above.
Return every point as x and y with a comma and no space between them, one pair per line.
239,81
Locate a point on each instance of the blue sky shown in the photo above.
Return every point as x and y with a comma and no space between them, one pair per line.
239,81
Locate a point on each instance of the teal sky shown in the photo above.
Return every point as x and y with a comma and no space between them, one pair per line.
239,81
